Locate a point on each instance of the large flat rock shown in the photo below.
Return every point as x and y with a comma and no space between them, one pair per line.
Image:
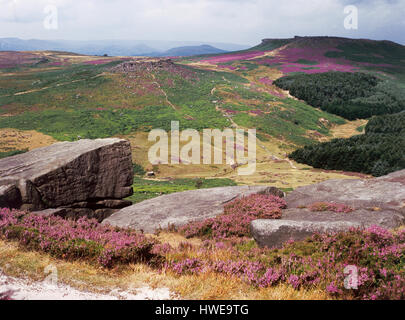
386,192
298,224
179,208
67,173
378,201
273,233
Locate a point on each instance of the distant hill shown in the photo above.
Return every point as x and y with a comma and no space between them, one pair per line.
119,47
359,50
192,51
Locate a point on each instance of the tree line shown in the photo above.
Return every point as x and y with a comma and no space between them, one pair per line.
380,151
349,95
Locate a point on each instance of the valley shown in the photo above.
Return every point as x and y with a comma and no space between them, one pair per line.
69,96
329,119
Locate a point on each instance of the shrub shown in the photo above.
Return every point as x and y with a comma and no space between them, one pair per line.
81,239
237,216
138,170
318,262
326,206
12,153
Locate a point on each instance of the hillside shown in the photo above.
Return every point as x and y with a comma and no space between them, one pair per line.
191,51
203,231
66,96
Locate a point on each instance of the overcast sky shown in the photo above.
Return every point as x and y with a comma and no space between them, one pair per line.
233,21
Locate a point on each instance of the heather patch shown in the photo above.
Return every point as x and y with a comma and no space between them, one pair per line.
266,80
232,57
227,67
297,60
237,216
319,262
293,60
81,239
377,255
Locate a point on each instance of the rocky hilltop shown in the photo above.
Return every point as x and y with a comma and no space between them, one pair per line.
144,64
87,177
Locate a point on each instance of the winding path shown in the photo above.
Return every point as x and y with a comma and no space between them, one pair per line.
235,125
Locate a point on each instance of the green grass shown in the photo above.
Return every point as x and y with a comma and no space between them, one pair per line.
308,62
103,106
69,125
40,79
147,189
290,124
379,52
11,153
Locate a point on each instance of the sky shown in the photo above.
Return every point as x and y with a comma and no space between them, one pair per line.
243,22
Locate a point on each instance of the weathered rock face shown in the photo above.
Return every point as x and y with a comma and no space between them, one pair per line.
179,208
9,196
386,192
379,201
66,174
273,233
298,224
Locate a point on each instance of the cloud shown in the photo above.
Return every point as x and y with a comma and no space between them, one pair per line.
238,21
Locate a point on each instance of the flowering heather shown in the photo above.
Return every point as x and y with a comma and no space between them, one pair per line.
230,111
257,112
237,216
328,206
233,57
318,262
56,63
288,60
227,67
82,239
276,94
266,80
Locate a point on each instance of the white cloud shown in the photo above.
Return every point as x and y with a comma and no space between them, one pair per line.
240,21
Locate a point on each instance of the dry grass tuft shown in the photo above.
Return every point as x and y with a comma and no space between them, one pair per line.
17,262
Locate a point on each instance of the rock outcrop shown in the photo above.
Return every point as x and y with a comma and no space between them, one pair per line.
179,208
379,201
88,177
273,233
298,224
386,193
145,64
